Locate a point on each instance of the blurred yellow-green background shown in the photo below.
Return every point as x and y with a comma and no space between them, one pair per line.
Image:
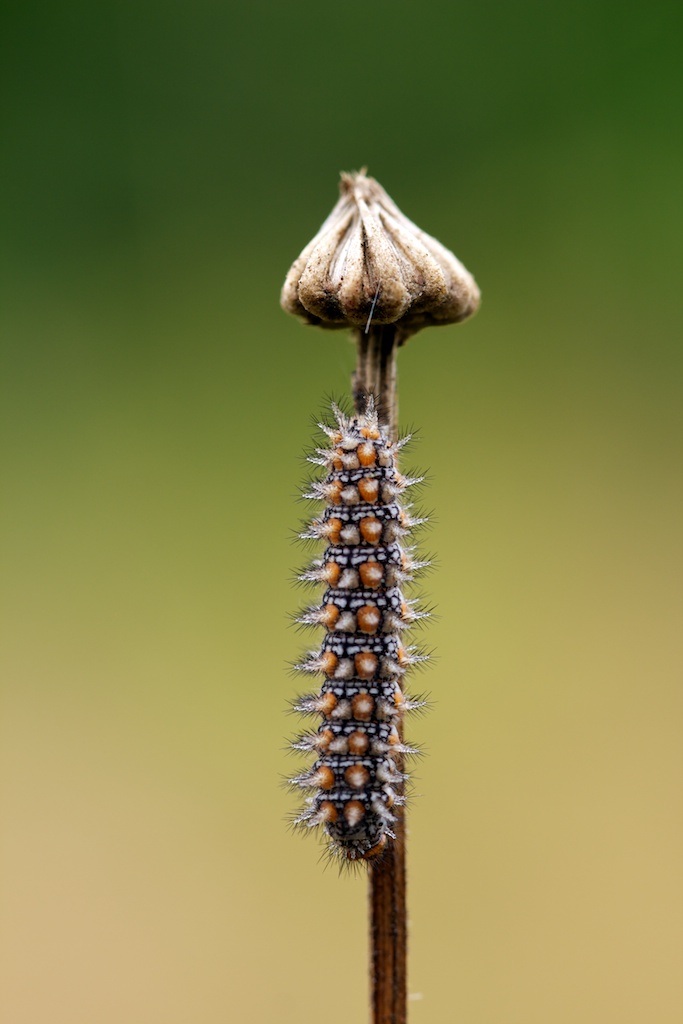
163,164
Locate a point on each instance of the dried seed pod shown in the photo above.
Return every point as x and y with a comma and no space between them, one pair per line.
369,262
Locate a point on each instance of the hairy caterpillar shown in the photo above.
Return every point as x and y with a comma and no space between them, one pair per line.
357,778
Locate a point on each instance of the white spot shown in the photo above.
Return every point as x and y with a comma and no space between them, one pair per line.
348,580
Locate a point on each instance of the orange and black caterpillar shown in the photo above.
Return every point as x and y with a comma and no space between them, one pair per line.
357,778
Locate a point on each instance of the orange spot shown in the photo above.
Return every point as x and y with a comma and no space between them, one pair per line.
327,703
323,778
402,656
327,811
368,488
371,574
370,432
332,529
366,664
376,850
366,454
394,737
356,776
334,492
362,707
331,573
399,699
328,662
336,437
405,612
323,739
329,615
371,529
368,618
358,742
337,463
354,812
389,799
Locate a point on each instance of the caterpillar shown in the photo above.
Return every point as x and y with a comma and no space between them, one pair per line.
358,780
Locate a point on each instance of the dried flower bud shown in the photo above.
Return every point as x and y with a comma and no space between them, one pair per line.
369,262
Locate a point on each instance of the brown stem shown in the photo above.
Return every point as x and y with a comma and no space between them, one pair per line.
376,374
388,931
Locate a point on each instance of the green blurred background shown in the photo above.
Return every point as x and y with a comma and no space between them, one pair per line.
163,165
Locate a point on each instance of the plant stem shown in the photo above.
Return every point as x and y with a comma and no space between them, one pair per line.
388,931
376,374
